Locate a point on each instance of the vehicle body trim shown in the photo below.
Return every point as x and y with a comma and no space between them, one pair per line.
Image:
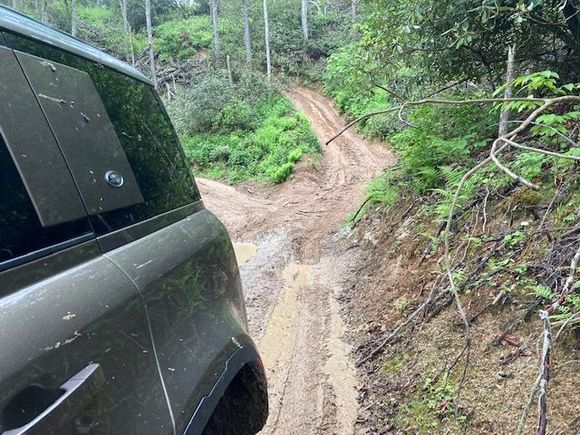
243,355
128,234
45,252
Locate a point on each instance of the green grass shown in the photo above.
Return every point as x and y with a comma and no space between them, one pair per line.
183,38
269,152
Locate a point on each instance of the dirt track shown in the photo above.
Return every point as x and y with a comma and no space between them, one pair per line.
291,277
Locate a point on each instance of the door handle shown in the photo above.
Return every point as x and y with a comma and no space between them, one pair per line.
77,393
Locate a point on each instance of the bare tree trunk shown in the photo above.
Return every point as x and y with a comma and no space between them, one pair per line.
229,67
353,9
305,19
267,42
504,115
129,55
44,12
247,36
150,39
74,18
216,32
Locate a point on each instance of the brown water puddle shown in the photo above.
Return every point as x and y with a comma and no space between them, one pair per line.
245,252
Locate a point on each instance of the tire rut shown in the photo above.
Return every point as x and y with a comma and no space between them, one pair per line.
292,290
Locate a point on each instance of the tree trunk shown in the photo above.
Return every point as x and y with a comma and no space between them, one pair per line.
44,12
571,12
247,36
129,55
509,77
267,42
74,18
353,9
229,67
150,39
305,19
216,32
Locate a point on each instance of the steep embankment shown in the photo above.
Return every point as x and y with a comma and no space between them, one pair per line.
292,276
311,281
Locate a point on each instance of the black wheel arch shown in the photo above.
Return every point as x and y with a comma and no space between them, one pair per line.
238,402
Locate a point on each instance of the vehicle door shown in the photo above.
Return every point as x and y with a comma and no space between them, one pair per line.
157,231
76,354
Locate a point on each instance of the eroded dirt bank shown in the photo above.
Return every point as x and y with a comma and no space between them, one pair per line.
285,242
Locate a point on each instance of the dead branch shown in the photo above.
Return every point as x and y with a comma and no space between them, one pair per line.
557,100
567,287
485,211
403,120
514,176
549,209
544,375
566,323
353,220
526,412
391,92
504,115
395,332
542,151
515,323
444,88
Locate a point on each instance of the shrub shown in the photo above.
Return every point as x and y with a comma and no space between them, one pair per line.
241,131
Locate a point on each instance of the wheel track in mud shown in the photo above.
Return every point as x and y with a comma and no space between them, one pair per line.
291,296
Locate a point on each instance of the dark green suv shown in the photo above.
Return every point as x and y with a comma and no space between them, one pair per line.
121,308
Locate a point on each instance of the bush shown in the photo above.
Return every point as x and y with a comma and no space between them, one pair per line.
241,131
183,38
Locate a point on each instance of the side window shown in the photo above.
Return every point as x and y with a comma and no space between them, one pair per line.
21,232
151,146
144,131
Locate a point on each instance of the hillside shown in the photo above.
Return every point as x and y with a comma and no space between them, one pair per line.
402,183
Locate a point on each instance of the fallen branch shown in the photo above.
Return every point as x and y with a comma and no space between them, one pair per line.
366,201
557,100
542,151
568,284
402,325
544,375
526,412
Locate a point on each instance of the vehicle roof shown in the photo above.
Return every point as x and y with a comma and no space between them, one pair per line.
16,22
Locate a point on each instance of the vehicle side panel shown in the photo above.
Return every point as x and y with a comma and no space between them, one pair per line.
188,275
75,316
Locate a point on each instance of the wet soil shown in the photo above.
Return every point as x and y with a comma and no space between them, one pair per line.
285,239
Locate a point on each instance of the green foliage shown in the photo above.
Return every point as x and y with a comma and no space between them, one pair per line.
452,38
514,239
426,410
213,104
183,38
542,291
267,148
392,366
434,154
290,54
351,79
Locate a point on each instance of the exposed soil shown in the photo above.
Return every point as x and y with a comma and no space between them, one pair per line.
320,295
285,240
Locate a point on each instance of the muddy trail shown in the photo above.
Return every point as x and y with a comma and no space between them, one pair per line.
285,237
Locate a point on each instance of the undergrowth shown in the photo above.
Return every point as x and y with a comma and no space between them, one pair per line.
241,131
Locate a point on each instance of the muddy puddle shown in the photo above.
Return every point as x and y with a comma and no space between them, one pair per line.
278,342
245,252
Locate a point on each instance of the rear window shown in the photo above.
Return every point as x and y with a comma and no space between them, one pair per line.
21,233
146,135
